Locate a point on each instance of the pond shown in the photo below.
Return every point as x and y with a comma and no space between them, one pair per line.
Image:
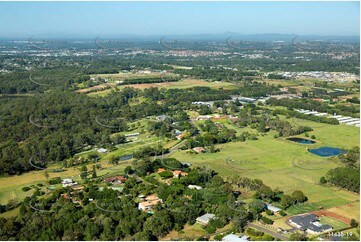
302,141
327,151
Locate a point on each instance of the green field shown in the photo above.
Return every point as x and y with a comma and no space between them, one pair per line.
279,163
184,83
333,222
284,164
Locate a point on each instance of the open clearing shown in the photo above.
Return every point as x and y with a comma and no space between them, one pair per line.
347,210
334,222
325,213
284,164
185,83
96,88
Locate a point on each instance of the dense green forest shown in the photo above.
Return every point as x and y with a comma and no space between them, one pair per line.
347,176
59,123
110,215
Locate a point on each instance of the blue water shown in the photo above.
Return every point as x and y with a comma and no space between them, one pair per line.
302,141
126,157
327,151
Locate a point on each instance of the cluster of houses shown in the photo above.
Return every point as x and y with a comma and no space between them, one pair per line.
115,180
206,218
176,173
309,223
244,99
329,76
209,104
214,117
341,119
148,202
203,117
233,99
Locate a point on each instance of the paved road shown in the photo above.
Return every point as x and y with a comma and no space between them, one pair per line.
171,150
176,147
268,231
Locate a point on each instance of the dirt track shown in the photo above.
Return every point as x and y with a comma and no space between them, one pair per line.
148,85
95,88
332,215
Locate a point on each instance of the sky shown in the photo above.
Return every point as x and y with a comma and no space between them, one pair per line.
89,19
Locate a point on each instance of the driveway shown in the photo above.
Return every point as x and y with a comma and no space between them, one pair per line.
268,231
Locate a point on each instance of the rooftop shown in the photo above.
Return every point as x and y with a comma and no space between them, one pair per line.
304,219
310,222
273,208
206,217
233,237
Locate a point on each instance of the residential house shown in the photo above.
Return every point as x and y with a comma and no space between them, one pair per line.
209,104
78,187
272,208
149,203
102,150
180,136
160,170
131,135
186,164
194,187
116,179
233,118
178,174
177,132
162,117
199,149
309,223
68,182
204,219
233,237
216,116
204,117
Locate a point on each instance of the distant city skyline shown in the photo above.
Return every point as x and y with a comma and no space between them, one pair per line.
88,19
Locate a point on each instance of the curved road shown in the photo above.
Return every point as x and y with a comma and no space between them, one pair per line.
171,150
268,231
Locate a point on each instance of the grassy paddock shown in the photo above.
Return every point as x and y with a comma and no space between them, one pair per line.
350,210
333,222
182,84
284,164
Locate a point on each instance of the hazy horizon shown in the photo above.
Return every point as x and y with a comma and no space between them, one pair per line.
90,19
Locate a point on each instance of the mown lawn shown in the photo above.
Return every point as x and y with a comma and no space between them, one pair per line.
336,224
